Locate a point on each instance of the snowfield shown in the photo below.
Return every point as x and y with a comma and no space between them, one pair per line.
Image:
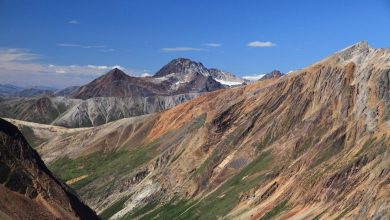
228,83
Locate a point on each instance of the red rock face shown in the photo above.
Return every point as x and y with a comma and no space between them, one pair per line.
28,190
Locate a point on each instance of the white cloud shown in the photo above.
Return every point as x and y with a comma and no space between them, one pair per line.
68,45
73,22
94,46
80,46
253,77
118,67
261,44
97,67
213,45
108,50
180,49
16,54
145,74
21,67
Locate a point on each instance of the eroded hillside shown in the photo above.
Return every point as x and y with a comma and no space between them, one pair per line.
311,144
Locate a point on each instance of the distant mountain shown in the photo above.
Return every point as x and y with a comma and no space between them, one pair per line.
271,75
36,109
116,83
254,78
67,91
116,95
179,76
31,92
182,67
226,78
8,89
28,190
17,91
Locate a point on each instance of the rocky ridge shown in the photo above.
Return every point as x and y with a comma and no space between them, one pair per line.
26,185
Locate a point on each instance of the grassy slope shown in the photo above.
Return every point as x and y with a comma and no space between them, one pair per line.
219,202
100,165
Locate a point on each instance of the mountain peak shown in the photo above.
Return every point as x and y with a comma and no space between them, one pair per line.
115,74
273,74
356,52
362,45
183,61
181,66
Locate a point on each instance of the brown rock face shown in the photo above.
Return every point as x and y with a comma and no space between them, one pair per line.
28,190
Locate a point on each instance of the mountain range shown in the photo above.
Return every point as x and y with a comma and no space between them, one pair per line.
7,90
311,144
116,95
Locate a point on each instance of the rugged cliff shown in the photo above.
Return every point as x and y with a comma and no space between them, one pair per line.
28,190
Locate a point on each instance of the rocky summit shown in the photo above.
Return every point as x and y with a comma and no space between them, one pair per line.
312,144
273,74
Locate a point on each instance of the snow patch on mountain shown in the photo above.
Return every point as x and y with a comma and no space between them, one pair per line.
253,77
228,83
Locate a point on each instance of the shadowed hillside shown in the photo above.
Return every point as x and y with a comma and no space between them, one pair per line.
28,190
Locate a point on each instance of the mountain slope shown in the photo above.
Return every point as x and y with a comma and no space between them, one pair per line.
101,110
116,83
8,89
27,188
37,109
34,91
67,91
226,78
75,113
311,144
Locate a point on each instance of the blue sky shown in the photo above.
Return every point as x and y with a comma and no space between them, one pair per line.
61,43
